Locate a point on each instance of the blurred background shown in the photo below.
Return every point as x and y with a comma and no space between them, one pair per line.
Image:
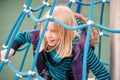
10,10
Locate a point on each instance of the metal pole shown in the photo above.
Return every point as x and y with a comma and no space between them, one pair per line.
115,40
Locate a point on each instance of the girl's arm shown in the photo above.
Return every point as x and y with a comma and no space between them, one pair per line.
96,66
20,39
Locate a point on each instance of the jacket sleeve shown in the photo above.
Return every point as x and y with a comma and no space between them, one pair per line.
96,66
21,39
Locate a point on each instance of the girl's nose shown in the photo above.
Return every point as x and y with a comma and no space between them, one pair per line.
48,34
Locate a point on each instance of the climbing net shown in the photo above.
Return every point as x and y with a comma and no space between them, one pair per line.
28,11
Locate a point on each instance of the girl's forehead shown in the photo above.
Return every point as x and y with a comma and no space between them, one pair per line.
51,25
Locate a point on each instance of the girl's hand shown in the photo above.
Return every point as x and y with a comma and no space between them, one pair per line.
3,52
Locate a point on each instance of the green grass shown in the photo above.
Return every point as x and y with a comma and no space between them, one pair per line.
10,10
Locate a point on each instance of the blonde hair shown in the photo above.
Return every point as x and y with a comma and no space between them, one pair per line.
94,38
64,15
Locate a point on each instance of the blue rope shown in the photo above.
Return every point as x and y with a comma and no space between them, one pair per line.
101,19
78,7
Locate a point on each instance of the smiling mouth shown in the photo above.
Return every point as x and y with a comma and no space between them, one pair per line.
50,41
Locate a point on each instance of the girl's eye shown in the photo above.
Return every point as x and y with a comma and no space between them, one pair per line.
53,31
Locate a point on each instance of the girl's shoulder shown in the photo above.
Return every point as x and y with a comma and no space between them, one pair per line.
79,40
34,32
34,35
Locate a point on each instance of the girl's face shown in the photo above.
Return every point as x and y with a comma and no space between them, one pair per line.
51,35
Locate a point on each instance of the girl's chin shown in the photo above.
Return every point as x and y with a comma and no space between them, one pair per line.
50,45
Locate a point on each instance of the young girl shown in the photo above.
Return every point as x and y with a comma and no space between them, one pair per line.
61,52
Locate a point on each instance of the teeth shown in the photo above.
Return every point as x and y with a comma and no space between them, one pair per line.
51,40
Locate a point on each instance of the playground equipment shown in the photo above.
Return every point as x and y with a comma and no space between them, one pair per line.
28,11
